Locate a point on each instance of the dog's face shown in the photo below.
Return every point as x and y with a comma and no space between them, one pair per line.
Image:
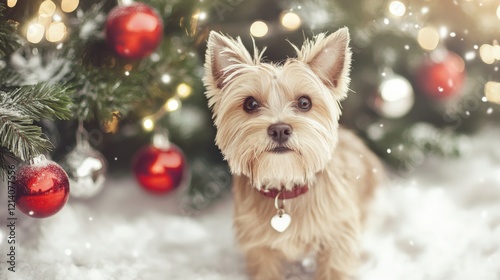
277,124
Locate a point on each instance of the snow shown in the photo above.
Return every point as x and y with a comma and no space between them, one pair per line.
441,222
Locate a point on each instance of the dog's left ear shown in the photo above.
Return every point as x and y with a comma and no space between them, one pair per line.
329,57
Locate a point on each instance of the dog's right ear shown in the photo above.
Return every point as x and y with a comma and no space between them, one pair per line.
224,57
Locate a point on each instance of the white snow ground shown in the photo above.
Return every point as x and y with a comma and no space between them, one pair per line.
442,222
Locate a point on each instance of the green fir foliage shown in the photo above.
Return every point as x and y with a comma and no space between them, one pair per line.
9,40
20,137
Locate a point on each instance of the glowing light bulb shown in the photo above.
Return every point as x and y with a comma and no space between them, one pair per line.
492,92
259,29
496,50
11,3
397,8
486,53
290,21
148,124
69,6
470,55
428,38
184,90
166,78
35,33
172,104
498,12
57,17
47,8
56,32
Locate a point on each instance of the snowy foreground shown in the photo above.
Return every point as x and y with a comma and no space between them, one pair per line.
441,222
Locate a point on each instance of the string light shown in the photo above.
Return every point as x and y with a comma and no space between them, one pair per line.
290,21
172,104
148,124
428,38
259,29
69,6
496,50
183,90
498,12
492,92
166,78
35,33
56,32
487,54
11,3
47,8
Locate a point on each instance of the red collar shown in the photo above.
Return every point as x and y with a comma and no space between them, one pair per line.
286,194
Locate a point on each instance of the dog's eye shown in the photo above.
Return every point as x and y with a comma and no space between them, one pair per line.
250,105
304,103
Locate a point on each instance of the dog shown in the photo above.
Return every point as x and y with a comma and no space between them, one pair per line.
299,179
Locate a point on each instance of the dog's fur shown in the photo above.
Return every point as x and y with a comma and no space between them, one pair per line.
336,166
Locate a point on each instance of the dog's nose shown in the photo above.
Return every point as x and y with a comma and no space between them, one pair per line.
279,132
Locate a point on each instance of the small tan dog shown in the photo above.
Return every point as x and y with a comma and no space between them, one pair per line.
299,180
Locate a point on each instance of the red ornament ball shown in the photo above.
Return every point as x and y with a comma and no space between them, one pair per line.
159,170
42,189
134,31
443,78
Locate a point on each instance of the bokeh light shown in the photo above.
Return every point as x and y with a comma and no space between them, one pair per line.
166,78
487,54
56,32
290,21
184,90
69,6
47,8
11,3
35,33
428,38
397,8
259,29
492,92
496,50
148,124
172,104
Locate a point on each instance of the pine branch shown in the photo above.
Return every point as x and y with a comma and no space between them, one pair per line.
19,108
9,40
20,136
4,165
38,101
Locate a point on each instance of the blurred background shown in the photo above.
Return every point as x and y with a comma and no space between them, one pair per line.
111,92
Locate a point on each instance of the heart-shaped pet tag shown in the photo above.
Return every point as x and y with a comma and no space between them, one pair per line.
281,222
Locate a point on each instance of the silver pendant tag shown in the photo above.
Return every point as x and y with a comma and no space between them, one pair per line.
281,221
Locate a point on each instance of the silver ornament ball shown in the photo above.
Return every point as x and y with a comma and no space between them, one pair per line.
86,168
394,97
